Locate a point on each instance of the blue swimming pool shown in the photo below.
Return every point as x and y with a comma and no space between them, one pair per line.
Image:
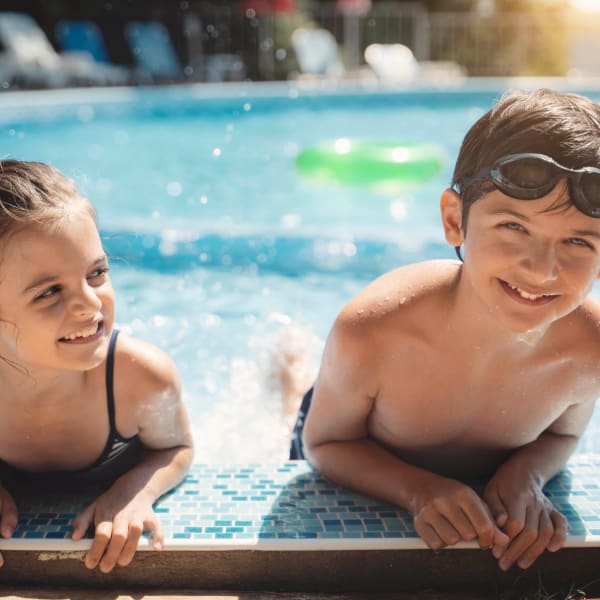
217,242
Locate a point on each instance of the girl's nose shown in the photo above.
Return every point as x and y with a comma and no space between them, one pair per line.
86,302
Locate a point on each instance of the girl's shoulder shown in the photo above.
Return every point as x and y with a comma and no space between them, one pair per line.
142,371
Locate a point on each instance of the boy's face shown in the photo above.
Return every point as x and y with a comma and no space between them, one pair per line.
56,299
529,261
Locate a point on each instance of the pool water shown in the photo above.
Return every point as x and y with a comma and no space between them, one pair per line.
218,245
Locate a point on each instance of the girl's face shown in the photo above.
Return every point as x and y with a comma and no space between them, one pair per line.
56,299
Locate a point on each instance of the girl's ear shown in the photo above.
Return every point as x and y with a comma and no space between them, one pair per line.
451,208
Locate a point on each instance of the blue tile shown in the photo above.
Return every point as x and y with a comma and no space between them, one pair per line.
291,501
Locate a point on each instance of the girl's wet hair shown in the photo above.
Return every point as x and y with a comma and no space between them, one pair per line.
33,193
565,127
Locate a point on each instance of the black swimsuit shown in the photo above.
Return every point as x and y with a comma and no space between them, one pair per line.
297,446
120,454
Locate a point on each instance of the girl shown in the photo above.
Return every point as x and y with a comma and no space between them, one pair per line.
79,404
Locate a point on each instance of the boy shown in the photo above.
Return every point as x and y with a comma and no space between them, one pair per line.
441,372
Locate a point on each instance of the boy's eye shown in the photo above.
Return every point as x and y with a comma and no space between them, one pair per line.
513,226
579,242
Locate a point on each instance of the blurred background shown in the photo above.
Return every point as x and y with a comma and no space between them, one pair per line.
228,250
56,43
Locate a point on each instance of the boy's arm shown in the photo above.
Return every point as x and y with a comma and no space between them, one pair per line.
515,492
338,444
125,509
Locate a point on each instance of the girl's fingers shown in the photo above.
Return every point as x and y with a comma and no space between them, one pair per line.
99,544
118,540
131,545
82,522
561,528
155,526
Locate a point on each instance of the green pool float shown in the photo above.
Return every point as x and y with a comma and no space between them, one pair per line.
356,162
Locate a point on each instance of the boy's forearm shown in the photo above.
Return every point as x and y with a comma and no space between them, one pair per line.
542,459
157,473
368,468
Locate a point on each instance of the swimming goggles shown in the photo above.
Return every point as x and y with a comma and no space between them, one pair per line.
529,176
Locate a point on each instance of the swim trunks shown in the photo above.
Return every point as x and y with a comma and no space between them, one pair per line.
120,454
297,447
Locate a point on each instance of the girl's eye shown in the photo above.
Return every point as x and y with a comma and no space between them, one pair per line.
98,273
51,291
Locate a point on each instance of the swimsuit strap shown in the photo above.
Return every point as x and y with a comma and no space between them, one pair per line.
110,369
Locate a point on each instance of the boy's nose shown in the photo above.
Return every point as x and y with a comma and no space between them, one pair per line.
542,262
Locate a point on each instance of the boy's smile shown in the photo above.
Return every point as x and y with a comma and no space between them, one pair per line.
531,262
527,297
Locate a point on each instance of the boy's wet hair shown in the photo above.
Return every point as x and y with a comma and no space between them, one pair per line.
33,193
565,127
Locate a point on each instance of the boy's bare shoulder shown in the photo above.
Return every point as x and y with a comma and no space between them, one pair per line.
410,302
408,290
587,321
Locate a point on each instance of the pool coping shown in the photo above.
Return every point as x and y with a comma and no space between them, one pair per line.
284,90
284,527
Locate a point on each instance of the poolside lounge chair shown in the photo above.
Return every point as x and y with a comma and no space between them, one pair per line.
34,61
317,52
85,36
153,52
394,63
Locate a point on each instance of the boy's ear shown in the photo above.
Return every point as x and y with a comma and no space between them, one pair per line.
451,208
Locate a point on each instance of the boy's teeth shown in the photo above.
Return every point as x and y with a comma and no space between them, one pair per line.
83,333
525,294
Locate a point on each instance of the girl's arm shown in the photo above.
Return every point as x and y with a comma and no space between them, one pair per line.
150,389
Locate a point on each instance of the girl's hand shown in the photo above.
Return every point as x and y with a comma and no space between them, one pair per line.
529,519
447,512
8,518
119,525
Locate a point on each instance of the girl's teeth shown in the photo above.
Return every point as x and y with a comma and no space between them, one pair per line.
83,333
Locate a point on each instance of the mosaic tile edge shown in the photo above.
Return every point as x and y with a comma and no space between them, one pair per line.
288,506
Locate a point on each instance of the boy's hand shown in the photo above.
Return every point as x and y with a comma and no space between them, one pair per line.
447,512
8,520
119,526
529,519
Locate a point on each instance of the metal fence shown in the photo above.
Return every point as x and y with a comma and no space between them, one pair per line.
484,44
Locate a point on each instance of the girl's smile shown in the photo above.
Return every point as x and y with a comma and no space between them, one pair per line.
85,335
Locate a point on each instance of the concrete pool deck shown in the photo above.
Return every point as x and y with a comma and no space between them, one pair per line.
86,594
283,528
